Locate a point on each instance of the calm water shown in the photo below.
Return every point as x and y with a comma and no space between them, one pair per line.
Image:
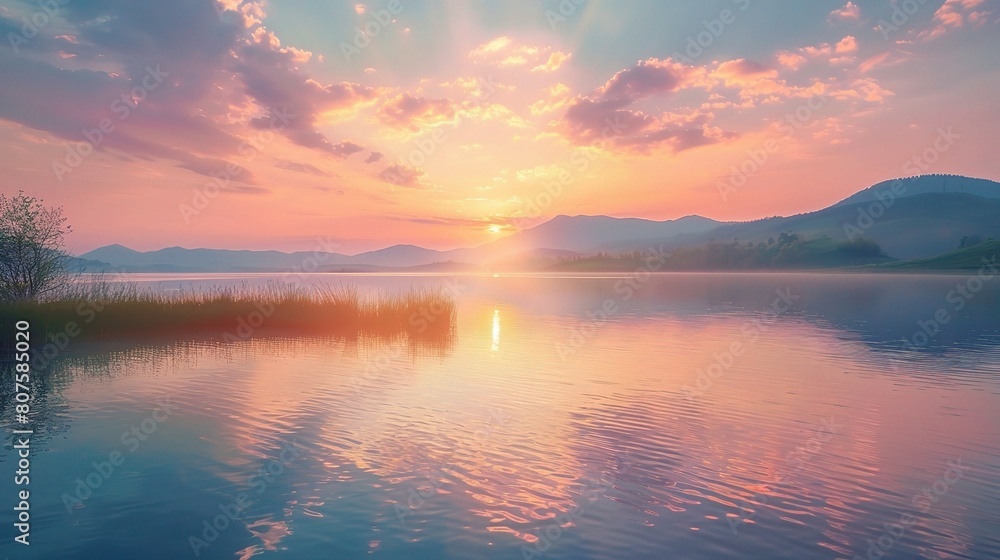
681,416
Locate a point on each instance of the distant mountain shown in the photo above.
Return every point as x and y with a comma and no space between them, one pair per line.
400,255
179,259
928,217
583,234
562,236
76,264
924,217
175,258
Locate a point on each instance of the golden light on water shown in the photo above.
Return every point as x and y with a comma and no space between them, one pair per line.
496,331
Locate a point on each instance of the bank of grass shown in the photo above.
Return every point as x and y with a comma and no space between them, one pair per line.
107,310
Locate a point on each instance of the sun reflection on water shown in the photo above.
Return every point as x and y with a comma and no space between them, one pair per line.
496,331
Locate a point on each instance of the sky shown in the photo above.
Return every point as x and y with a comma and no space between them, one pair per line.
249,124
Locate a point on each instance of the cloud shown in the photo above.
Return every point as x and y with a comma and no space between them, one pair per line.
837,53
865,89
487,50
223,76
411,112
271,77
374,157
850,11
211,167
846,45
606,117
742,70
556,60
955,14
874,62
504,53
791,60
753,79
302,168
402,175
821,50
482,112
556,97
346,148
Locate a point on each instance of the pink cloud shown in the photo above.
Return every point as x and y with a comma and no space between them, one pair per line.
850,11
650,77
606,118
220,78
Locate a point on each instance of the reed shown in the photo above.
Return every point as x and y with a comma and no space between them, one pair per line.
99,309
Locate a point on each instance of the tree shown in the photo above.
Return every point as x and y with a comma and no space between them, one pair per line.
32,259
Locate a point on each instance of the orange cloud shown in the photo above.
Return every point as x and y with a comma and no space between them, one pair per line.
410,112
847,44
556,60
755,80
504,53
791,60
865,89
741,71
954,14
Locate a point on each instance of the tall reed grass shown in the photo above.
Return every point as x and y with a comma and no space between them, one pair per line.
107,309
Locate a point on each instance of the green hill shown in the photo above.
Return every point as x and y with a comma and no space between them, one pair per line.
970,258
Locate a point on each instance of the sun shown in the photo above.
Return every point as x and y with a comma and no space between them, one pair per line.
494,229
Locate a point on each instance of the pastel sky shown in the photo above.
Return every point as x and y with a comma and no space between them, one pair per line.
268,125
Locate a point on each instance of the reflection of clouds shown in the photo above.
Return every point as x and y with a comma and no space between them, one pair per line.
420,422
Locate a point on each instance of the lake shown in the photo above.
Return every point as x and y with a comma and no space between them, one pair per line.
805,416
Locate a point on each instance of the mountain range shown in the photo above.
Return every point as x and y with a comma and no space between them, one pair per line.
910,218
